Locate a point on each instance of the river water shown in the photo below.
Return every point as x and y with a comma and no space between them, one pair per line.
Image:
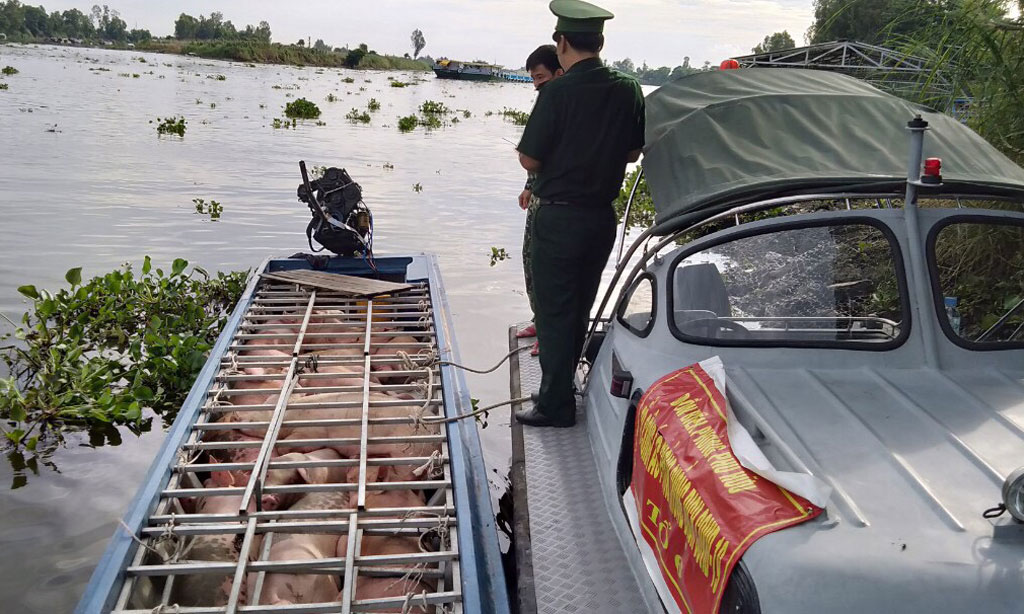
85,181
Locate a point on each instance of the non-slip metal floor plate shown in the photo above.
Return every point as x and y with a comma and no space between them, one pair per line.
578,563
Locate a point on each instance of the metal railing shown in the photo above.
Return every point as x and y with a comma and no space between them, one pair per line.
312,331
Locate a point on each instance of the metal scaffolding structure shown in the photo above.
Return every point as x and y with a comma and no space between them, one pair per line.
393,336
904,75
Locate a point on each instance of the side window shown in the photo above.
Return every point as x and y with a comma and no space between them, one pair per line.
820,286
637,311
979,278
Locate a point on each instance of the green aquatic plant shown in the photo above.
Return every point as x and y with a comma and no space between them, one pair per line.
171,125
332,98
213,105
388,166
284,123
373,105
348,80
430,121
217,77
355,115
498,254
302,109
9,71
417,188
466,114
641,212
3,86
212,208
136,75
408,123
397,83
515,116
103,351
430,107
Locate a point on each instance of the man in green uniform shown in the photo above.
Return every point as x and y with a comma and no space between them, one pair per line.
584,129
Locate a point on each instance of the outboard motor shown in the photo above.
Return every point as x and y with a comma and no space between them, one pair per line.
341,221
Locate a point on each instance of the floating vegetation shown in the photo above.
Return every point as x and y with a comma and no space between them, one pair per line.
321,123
430,107
389,166
213,105
515,116
171,125
417,188
212,208
498,254
136,75
408,123
367,81
217,77
397,83
126,75
355,115
100,352
3,86
9,70
361,89
466,114
317,171
348,80
373,105
488,113
455,120
430,121
263,106
199,101
332,98
302,109
284,123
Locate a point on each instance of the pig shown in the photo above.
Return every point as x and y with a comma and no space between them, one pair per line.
352,431
211,589
287,589
281,477
377,588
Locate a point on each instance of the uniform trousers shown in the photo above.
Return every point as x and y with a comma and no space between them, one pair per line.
569,249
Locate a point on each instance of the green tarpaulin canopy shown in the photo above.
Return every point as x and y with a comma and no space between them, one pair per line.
723,138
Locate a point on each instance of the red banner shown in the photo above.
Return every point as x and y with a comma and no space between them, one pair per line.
697,508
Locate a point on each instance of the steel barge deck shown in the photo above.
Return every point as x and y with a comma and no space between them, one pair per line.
462,567
569,557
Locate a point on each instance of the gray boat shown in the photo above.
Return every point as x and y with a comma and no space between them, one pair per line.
861,308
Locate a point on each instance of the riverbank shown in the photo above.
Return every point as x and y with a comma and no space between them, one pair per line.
262,53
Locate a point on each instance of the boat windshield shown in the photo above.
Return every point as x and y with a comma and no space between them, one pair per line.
824,285
978,274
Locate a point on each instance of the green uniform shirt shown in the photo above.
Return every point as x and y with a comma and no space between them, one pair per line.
581,129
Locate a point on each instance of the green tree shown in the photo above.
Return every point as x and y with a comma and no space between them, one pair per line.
139,36
185,27
775,42
418,42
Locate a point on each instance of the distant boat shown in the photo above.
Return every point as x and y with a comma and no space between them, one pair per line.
477,71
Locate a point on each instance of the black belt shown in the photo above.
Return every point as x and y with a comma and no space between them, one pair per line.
547,201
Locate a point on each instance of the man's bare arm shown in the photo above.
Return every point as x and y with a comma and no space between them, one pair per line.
530,164
632,156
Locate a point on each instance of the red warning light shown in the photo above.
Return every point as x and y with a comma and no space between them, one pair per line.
729,64
933,167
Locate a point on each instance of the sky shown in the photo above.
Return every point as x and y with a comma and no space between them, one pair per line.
658,32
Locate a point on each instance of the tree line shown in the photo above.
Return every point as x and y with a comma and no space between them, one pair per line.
214,27
24,22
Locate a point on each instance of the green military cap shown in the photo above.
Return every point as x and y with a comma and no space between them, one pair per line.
579,16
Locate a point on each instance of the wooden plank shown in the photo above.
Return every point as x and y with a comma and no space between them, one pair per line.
359,287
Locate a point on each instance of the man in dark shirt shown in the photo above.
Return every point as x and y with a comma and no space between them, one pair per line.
584,129
543,67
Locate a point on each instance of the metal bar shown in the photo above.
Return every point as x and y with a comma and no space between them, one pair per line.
304,488
259,473
334,564
373,526
348,588
364,427
389,512
243,559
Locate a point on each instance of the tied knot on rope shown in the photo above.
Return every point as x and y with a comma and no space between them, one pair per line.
433,468
233,367
217,402
409,605
163,608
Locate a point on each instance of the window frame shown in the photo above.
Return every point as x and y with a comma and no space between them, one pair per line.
745,233
619,312
938,296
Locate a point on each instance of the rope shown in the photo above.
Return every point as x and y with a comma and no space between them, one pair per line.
408,605
431,467
159,609
476,412
412,363
428,395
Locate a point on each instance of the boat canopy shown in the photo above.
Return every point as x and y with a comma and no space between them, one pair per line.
724,138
